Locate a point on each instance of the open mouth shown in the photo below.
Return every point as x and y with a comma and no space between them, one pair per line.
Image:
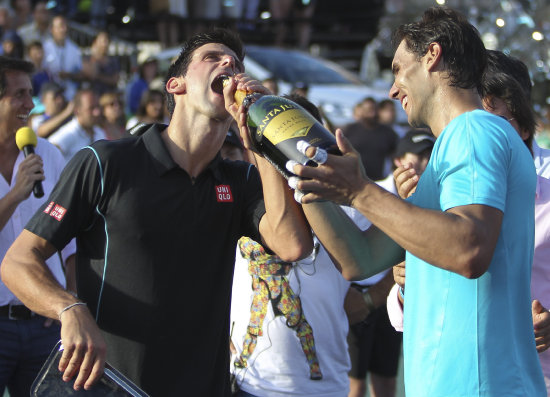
217,84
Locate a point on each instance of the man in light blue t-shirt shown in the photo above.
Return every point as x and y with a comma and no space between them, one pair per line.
467,231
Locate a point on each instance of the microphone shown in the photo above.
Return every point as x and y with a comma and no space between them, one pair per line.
26,140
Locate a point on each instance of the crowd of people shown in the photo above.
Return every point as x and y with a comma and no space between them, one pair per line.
188,262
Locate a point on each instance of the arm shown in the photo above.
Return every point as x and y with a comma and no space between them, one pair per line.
70,273
358,254
49,126
461,240
24,272
30,170
283,228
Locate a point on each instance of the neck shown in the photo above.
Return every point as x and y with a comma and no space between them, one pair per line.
449,103
193,144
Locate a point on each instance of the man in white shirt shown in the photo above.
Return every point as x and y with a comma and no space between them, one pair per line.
82,130
26,338
62,57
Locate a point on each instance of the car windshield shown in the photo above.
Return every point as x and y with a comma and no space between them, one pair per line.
294,66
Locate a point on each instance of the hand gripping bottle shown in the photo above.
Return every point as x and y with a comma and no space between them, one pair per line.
276,124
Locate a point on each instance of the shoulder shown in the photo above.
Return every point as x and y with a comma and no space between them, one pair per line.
64,131
238,169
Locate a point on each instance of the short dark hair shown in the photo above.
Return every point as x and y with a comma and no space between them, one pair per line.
386,102
77,99
147,97
463,52
179,67
12,64
498,61
505,87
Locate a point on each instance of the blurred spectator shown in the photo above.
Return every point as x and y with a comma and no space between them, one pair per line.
99,69
146,73
300,88
243,13
232,148
5,19
39,28
543,128
57,111
374,141
62,57
83,129
170,15
203,13
298,14
97,13
22,13
35,53
12,45
387,115
151,109
112,120
272,85
288,320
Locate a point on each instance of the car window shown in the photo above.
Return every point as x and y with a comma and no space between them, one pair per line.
294,66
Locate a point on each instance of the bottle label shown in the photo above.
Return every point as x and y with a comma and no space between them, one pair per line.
287,124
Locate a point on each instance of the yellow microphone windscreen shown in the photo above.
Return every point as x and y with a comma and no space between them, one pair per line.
25,136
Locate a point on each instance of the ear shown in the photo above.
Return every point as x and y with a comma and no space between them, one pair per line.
433,56
176,85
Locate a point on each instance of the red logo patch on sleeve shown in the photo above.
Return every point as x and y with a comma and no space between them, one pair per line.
49,207
223,194
58,212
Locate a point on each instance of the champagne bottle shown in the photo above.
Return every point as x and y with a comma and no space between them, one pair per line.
276,124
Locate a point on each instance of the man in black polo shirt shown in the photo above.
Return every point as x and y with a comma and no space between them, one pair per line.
157,219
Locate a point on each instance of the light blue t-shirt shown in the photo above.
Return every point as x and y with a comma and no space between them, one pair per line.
463,337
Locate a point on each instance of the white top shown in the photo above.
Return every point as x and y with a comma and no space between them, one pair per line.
66,58
71,137
53,164
541,157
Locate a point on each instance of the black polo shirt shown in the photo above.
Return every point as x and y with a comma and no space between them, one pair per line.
155,256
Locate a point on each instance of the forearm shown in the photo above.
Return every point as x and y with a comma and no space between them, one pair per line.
49,126
8,205
460,240
359,254
379,291
284,228
25,273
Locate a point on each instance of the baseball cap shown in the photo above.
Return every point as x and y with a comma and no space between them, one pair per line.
416,140
232,138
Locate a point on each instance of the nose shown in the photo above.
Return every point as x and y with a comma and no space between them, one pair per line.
394,92
229,60
29,102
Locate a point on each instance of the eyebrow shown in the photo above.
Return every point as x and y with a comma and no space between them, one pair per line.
238,62
394,69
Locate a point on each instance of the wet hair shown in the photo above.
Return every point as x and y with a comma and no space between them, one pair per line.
498,61
463,53
179,67
505,87
12,64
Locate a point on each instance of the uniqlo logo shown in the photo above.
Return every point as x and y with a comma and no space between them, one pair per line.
223,194
58,212
49,207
